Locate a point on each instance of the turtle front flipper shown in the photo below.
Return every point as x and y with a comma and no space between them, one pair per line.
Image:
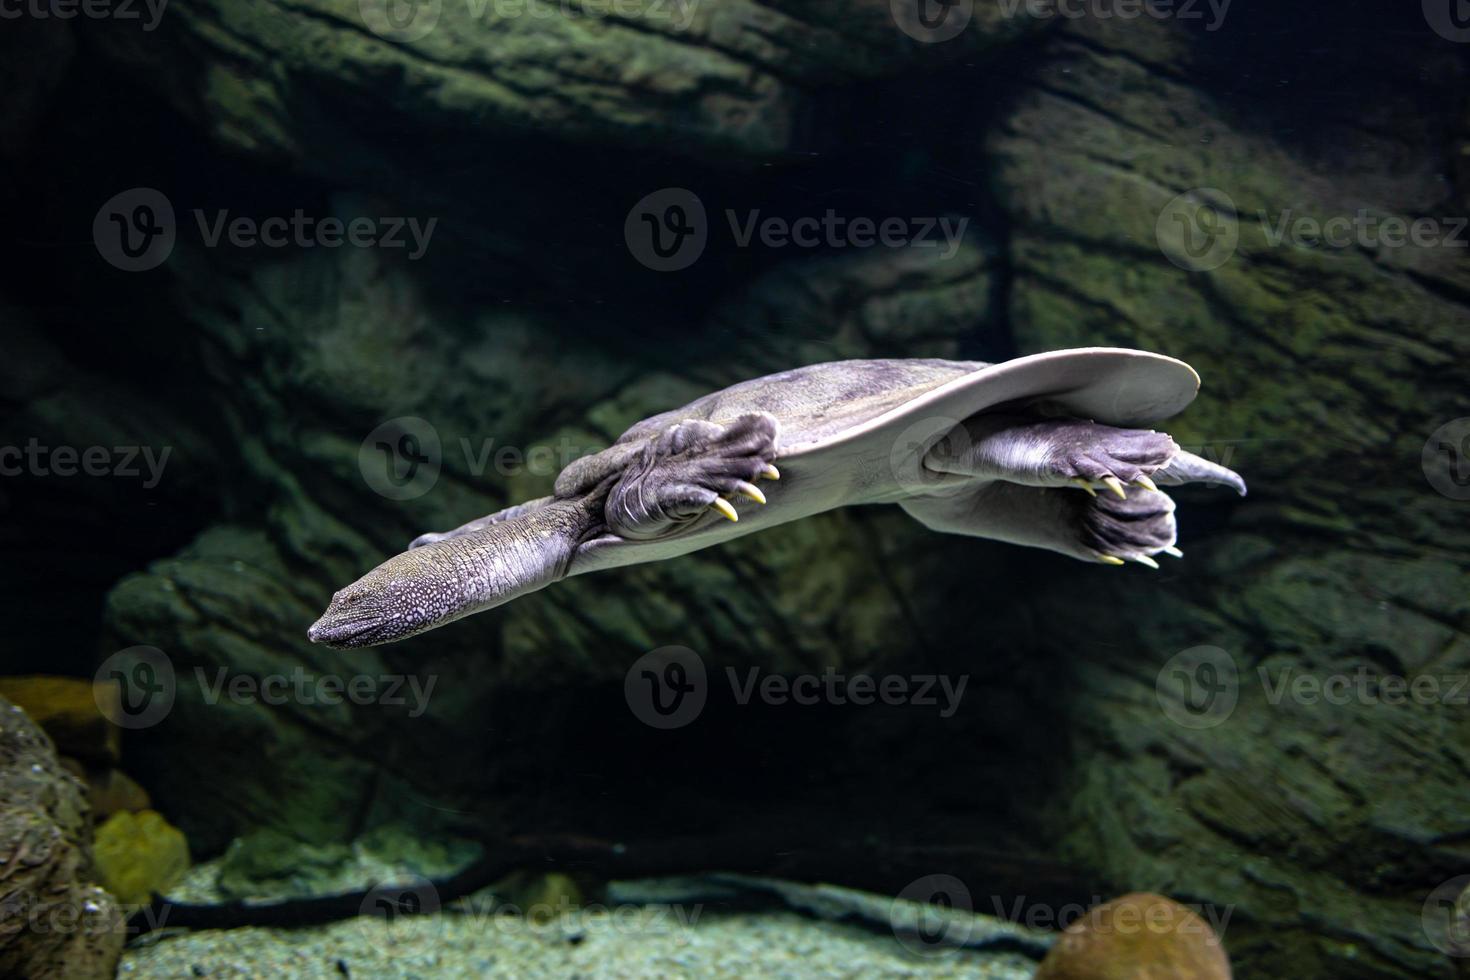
689,469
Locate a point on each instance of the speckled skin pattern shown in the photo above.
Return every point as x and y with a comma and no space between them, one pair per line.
447,579
1005,475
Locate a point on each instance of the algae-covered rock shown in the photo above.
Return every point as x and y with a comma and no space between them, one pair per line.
1163,218
55,923
71,711
140,855
733,76
1137,937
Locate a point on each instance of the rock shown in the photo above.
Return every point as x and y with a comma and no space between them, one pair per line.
735,77
269,862
1326,370
68,709
114,791
1137,937
140,855
55,923
541,897
108,790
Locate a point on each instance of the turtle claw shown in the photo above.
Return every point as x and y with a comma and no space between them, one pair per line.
722,507
1110,559
770,472
1145,560
1085,485
1173,552
1116,485
750,491
1142,480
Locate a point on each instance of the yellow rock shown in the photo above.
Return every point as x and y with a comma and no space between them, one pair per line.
1140,936
67,709
138,854
540,897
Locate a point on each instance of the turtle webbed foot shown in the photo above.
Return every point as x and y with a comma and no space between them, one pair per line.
692,467
1134,527
1104,457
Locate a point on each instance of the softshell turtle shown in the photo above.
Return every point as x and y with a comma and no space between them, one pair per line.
1016,451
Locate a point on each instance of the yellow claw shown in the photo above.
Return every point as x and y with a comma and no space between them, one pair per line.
725,510
770,473
1084,485
751,491
1116,485
1110,559
1146,483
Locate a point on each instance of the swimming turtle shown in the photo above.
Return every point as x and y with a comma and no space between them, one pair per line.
1047,450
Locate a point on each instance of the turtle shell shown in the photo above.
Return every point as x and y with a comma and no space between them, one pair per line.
855,432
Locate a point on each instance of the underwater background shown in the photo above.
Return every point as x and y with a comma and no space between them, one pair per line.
285,284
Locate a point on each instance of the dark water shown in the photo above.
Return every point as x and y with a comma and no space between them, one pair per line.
284,287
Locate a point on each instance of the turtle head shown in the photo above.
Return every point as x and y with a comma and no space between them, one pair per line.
400,598
438,581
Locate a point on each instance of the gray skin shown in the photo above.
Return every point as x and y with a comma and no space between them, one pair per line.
1021,467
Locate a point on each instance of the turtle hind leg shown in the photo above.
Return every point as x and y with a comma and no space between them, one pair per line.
1061,452
1101,528
689,469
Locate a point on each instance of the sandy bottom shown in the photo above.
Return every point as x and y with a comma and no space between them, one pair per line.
629,942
